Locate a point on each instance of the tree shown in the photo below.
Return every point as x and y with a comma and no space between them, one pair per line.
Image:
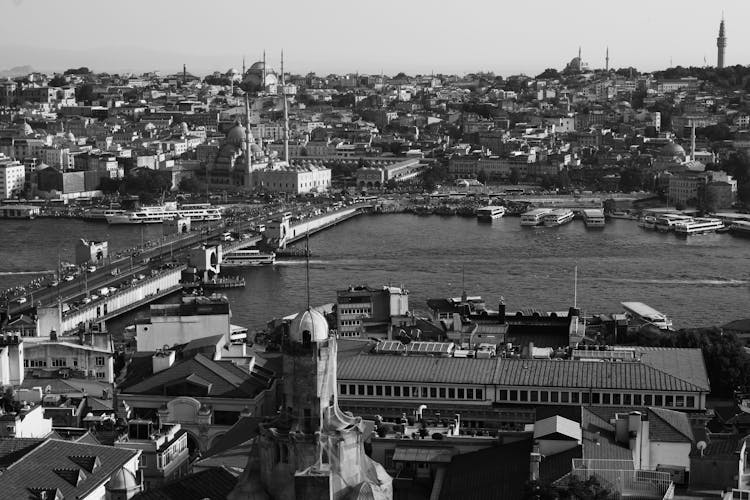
515,175
58,81
83,70
549,74
482,176
85,93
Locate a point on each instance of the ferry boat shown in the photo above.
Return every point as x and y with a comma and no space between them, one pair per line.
667,222
490,213
534,217
100,214
740,228
558,217
248,258
647,314
153,215
593,217
647,222
698,226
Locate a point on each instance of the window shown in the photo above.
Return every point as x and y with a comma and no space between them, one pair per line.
397,391
565,397
388,390
606,398
669,401
554,396
361,390
503,395
370,390
627,399
424,392
59,362
452,393
343,389
524,395
690,401
544,396
616,399
461,393
415,392
378,390
637,400
514,395
595,398
100,375
352,389
441,391
533,396
470,393
648,400
479,393
25,363
574,397
433,392
659,400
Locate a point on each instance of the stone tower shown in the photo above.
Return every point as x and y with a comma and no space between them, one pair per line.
721,44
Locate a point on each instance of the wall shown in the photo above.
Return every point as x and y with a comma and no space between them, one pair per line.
670,454
171,330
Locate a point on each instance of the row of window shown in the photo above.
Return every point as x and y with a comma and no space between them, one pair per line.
59,362
355,310
408,391
350,322
596,398
520,396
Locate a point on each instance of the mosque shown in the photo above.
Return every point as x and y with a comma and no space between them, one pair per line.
312,449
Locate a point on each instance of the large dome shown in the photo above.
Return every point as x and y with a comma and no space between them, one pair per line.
671,149
309,324
236,135
258,66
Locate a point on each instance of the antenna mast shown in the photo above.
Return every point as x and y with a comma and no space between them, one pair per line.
575,287
307,266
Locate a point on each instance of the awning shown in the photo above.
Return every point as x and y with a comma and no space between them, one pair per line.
425,455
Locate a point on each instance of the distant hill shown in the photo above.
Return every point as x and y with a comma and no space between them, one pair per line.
16,71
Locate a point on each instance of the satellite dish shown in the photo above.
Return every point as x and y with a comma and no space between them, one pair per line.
48,389
701,445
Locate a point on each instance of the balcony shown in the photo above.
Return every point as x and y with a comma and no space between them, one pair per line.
623,481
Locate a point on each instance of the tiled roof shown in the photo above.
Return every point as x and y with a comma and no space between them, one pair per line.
488,474
211,484
225,378
659,371
52,465
718,446
666,426
12,449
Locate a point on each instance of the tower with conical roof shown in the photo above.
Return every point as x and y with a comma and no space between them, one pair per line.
721,44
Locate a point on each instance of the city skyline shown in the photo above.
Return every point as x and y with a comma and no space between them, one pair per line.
417,37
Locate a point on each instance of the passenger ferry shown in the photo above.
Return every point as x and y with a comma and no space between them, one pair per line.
534,217
740,228
490,213
593,217
667,222
248,258
647,222
100,214
647,314
558,217
152,215
698,226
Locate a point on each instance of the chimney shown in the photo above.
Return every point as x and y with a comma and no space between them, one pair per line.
501,311
534,460
161,360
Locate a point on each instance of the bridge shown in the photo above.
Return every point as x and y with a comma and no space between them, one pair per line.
284,230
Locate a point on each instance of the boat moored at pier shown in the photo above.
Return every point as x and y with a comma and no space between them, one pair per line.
490,213
248,258
197,212
593,217
699,225
647,315
558,217
667,222
740,228
534,217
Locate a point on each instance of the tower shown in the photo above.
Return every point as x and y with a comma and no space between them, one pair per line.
606,59
248,144
286,111
721,44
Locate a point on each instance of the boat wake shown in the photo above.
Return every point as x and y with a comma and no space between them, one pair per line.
297,262
711,282
19,273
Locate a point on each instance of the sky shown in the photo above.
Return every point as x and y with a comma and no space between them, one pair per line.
347,36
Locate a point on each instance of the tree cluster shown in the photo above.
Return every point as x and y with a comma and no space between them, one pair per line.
147,184
573,489
730,77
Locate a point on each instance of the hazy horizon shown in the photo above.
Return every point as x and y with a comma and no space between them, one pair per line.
332,36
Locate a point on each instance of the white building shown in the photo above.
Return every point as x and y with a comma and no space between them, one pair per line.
294,179
29,422
44,357
12,177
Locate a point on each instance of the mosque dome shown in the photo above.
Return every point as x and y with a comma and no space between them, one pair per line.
671,150
257,66
309,324
236,135
232,72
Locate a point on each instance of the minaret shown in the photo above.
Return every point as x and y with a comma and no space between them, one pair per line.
286,111
243,67
606,67
263,83
721,44
248,143
184,74
692,140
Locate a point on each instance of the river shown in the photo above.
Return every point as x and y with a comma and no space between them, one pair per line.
698,281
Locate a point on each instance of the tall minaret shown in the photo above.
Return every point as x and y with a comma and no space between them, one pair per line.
243,67
263,83
721,44
286,111
248,143
606,67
